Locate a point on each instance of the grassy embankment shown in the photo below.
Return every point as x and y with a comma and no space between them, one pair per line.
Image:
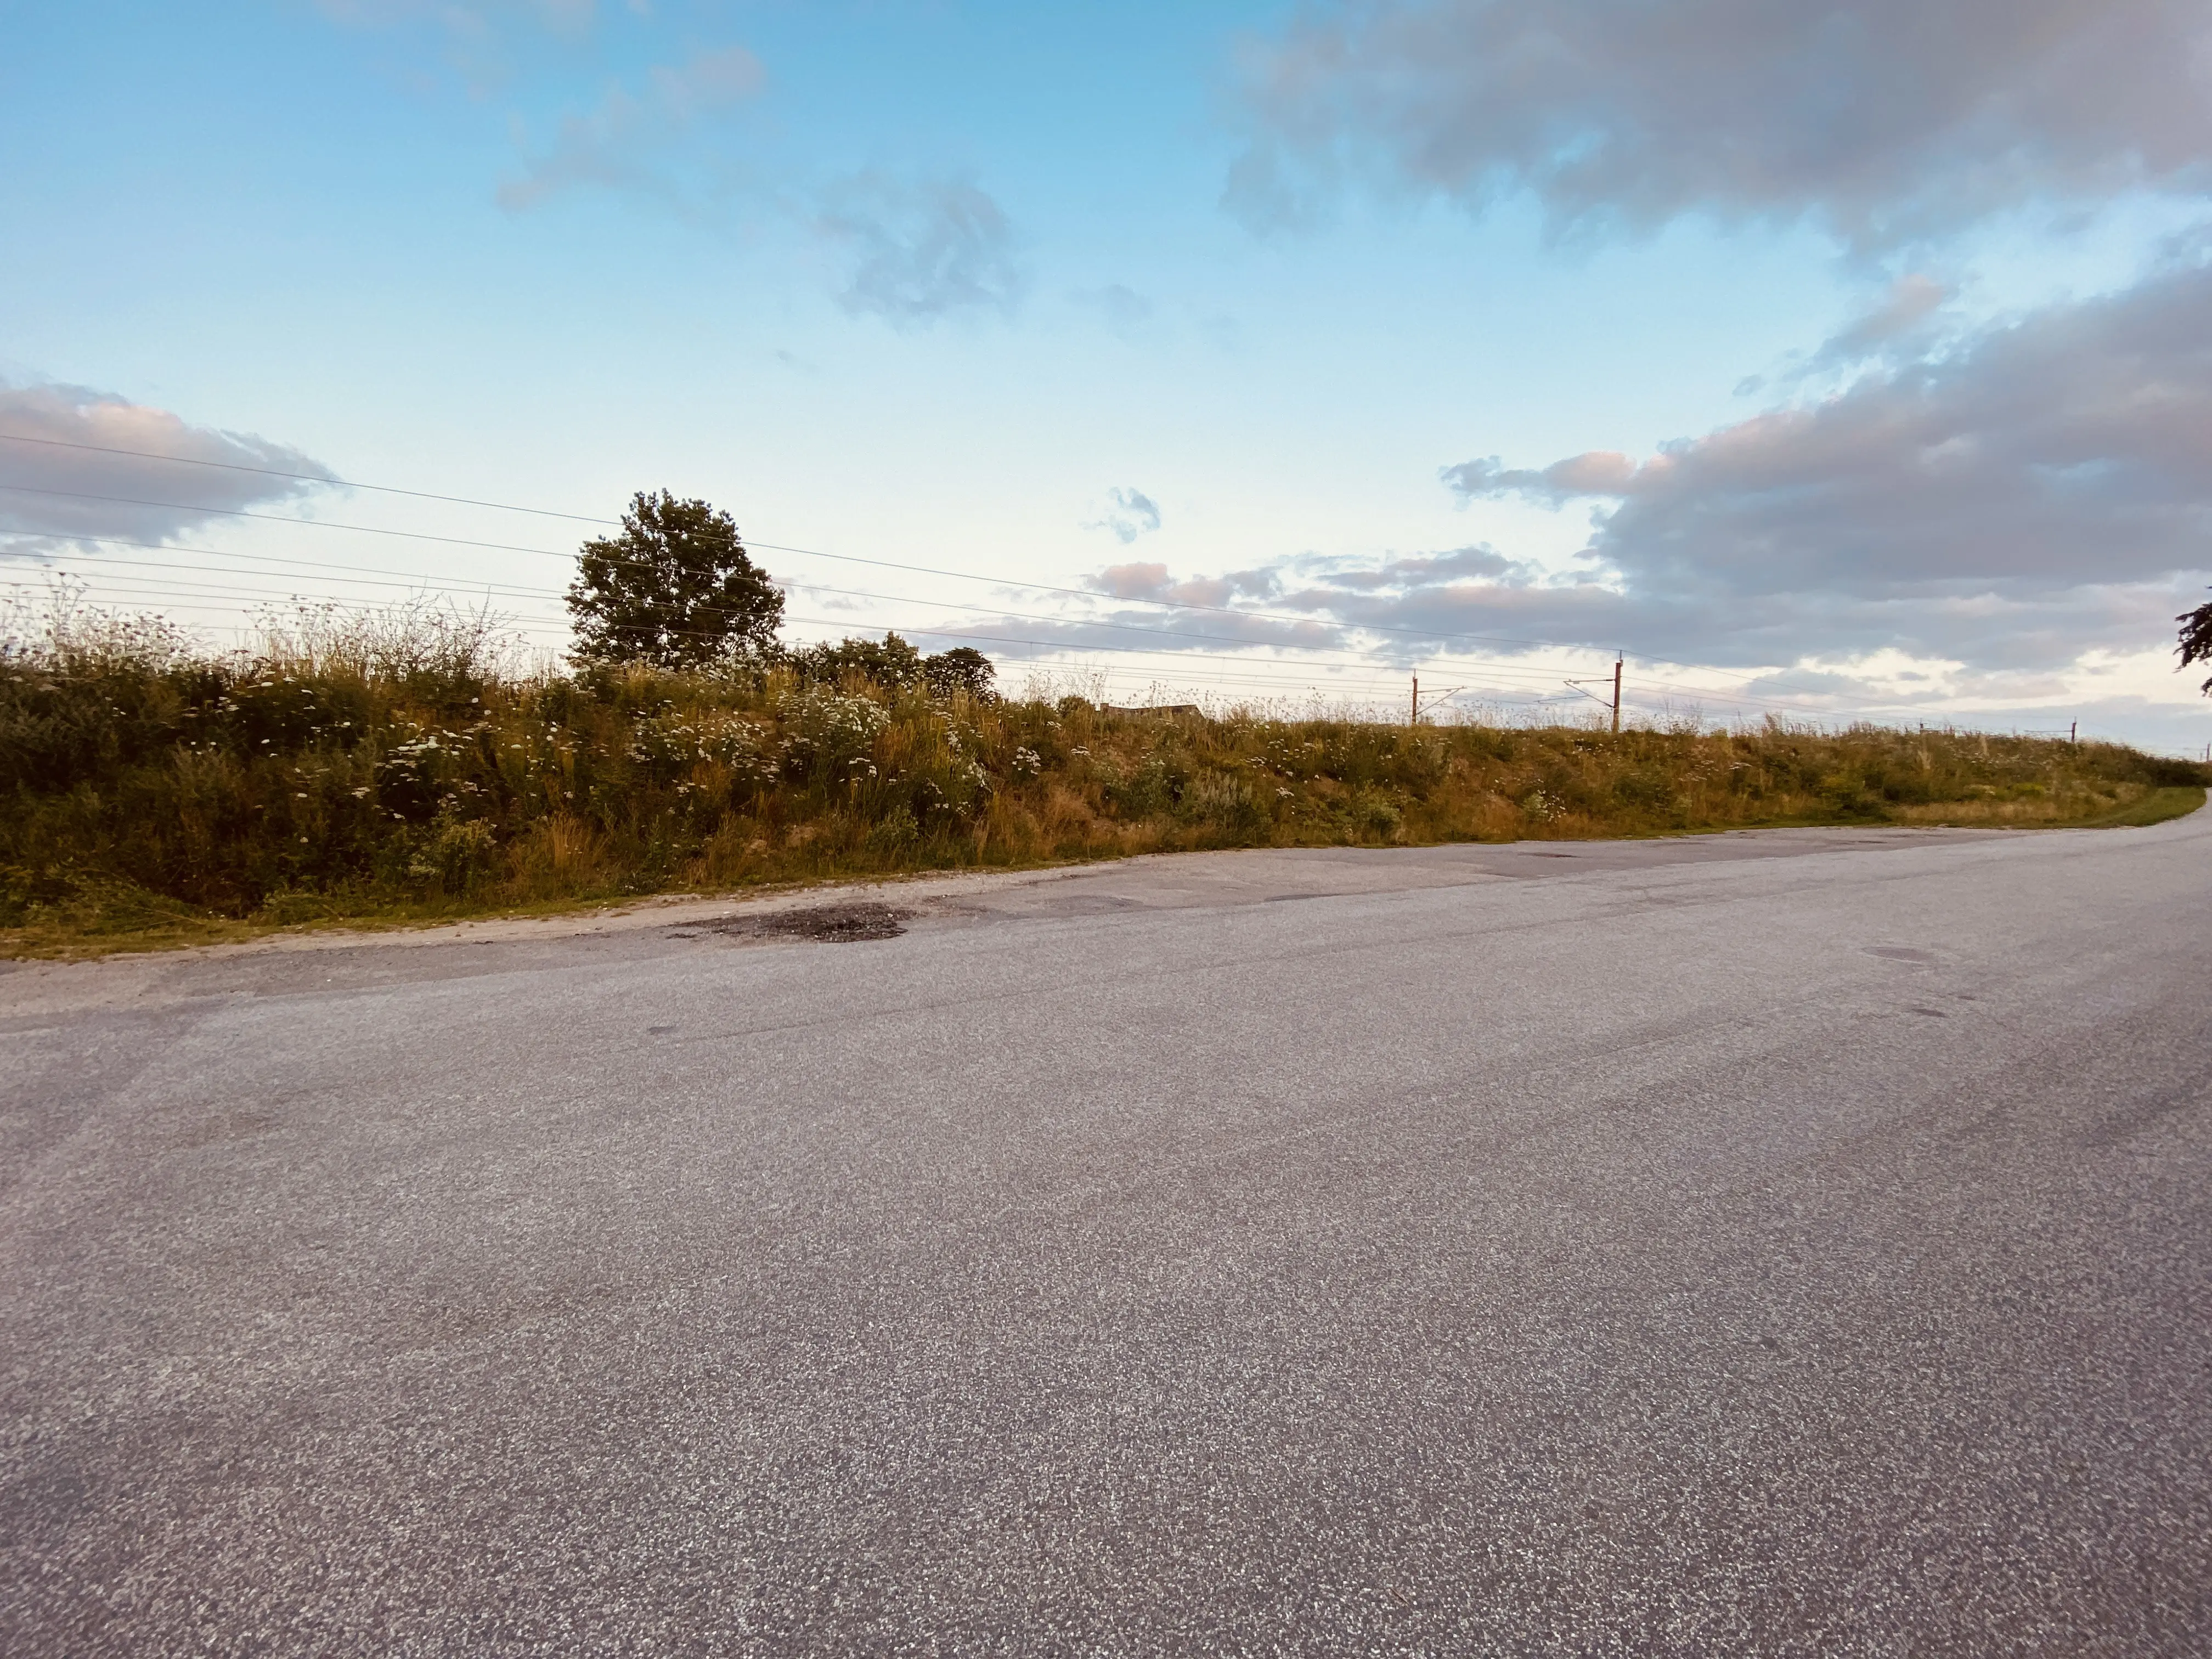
152,794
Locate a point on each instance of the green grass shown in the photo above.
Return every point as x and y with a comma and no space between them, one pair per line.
2158,806
152,794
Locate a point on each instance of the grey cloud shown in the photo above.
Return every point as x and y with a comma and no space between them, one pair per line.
2006,642
1469,591
1600,473
1153,630
1134,581
1988,632
64,479
1475,592
1153,581
1129,514
1887,119
921,251
626,142
1416,570
1141,626
2039,490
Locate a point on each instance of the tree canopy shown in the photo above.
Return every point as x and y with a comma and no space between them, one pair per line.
895,664
676,588
2197,638
964,668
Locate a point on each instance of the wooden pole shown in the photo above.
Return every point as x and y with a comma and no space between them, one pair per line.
1616,693
1414,715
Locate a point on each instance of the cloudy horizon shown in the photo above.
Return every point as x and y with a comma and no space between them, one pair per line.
1837,362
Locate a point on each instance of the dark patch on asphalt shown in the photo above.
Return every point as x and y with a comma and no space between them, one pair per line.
2147,1112
1086,904
832,924
1900,953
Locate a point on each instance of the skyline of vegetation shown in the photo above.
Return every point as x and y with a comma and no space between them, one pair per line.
397,766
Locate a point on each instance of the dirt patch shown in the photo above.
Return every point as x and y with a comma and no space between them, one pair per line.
834,924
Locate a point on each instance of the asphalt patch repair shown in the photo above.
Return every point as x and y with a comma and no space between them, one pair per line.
834,924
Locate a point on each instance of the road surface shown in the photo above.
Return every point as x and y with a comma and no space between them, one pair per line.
1787,1243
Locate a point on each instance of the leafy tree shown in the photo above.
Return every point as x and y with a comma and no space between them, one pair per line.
895,664
964,668
2197,638
890,662
676,589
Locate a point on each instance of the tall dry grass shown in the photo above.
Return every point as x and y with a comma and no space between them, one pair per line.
405,764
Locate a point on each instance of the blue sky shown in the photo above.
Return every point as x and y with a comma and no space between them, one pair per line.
1230,305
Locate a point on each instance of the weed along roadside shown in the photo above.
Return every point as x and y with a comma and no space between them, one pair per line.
157,793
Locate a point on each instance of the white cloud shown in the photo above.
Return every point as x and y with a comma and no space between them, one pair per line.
66,479
1128,513
921,250
626,142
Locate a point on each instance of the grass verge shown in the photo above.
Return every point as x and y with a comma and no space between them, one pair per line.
2158,806
154,794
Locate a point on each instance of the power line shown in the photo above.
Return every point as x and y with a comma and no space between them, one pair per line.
363,576
303,477
320,569
1087,594
221,594
157,589
1168,665
282,518
1090,594
420,582
1127,628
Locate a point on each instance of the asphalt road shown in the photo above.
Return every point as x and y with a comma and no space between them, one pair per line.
1794,1244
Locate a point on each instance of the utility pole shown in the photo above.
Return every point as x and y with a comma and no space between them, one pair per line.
1414,716
1616,693
2074,731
